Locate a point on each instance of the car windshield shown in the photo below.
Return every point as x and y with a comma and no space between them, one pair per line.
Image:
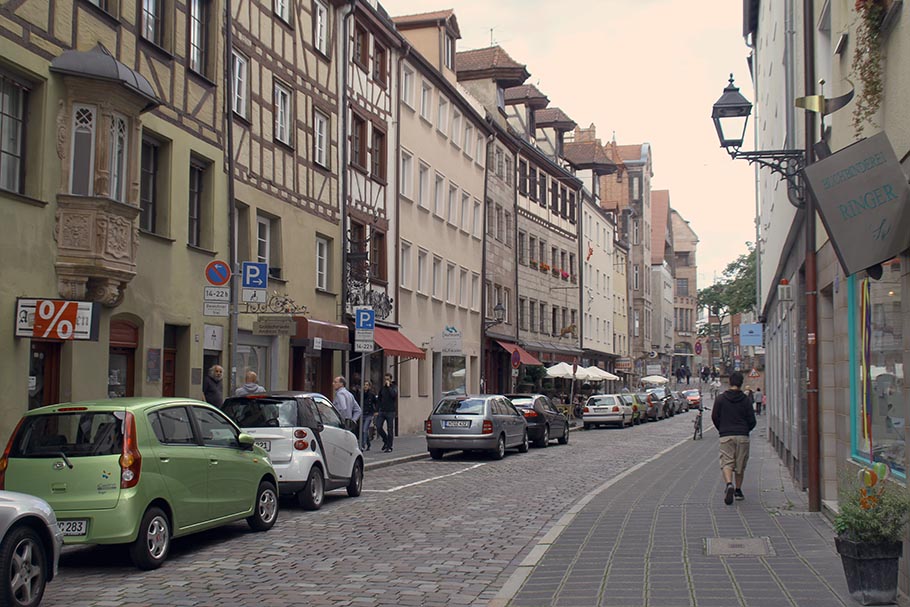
523,402
262,412
82,434
657,391
628,398
468,406
602,400
692,393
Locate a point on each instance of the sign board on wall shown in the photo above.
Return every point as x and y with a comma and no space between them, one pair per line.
56,319
654,370
750,334
451,342
275,325
863,198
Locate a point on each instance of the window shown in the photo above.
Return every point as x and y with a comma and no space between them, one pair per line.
554,258
554,196
198,16
636,232
380,65
118,168
501,98
358,142
241,82
321,27
172,426
438,192
682,287
82,179
322,264
532,250
456,127
564,207
196,198
497,299
378,265
422,271
377,154
215,428
523,177
543,317
361,46
468,144
522,313
451,204
283,10
542,189
12,142
508,229
282,113
407,174
635,187
405,264
475,292
478,219
450,52
554,320
498,165
465,211
426,99
437,277
572,207
500,224
463,293
532,315
532,184
423,186
263,234
407,86
478,150
635,278
571,268
442,119
320,138
148,185
509,175
636,321
450,283
507,304
152,16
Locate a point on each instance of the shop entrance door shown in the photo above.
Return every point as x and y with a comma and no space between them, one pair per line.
169,373
44,374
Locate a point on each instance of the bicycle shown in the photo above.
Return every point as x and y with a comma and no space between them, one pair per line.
698,424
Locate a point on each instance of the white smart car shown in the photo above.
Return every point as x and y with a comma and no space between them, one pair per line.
307,442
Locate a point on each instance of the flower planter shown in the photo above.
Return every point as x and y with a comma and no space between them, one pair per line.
871,570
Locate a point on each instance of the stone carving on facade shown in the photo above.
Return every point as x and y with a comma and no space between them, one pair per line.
62,130
74,230
106,291
102,155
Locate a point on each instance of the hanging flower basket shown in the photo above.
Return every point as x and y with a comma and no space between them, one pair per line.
868,59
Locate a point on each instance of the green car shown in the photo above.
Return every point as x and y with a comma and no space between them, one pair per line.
140,471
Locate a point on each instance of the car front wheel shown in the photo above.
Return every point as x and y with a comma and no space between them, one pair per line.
24,562
313,492
564,439
500,451
153,542
265,510
355,485
545,439
523,447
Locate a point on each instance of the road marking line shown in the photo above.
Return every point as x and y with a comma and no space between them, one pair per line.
426,480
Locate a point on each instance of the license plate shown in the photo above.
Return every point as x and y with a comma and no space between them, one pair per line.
457,424
265,444
73,527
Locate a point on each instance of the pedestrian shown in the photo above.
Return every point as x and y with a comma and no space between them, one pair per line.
251,385
688,374
369,410
346,404
387,410
211,386
759,400
734,419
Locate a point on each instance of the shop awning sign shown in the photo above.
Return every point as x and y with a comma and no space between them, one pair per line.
56,319
863,198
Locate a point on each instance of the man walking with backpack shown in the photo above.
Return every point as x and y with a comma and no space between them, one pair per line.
388,409
734,419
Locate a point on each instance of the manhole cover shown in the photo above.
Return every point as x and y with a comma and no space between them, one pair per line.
745,546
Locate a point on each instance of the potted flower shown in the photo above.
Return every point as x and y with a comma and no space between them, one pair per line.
544,267
534,263
564,275
574,279
868,58
870,525
556,272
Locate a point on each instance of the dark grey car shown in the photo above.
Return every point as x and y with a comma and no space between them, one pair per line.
485,422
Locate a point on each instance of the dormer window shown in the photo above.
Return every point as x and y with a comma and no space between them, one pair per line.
450,52
501,98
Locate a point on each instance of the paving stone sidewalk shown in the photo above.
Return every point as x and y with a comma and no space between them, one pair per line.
644,541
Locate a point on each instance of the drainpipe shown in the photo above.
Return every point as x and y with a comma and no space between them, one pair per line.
401,58
343,170
812,412
232,206
483,260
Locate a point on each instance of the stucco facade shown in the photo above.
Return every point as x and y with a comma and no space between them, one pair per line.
685,292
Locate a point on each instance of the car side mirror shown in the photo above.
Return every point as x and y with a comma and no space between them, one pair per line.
246,441
320,426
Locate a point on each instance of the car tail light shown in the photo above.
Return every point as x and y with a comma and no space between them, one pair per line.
299,433
300,445
585,410
4,461
131,459
615,409
65,409
487,427
428,427
530,413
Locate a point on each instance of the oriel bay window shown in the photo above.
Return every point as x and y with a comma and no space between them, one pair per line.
119,136
82,170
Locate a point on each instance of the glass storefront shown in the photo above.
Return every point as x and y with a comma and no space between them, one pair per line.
454,374
876,355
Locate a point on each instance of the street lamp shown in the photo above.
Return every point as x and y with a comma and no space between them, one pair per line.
731,115
499,313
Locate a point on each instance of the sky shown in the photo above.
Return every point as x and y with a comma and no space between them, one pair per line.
650,70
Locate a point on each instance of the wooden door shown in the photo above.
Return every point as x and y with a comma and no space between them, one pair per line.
169,372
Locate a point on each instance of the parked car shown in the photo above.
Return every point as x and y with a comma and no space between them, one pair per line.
306,440
639,408
486,422
693,398
653,407
604,409
679,401
662,395
29,548
545,421
140,471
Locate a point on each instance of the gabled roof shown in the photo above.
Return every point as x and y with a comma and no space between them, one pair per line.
491,62
554,117
588,155
526,94
444,17
660,214
629,152
612,151
99,64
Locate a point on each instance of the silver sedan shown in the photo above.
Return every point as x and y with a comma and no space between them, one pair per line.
29,550
485,423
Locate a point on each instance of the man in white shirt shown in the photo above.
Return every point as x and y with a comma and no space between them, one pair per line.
345,403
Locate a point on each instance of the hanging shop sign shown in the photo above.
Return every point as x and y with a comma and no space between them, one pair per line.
863,197
451,342
56,319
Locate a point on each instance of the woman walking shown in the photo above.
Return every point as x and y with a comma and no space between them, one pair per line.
369,410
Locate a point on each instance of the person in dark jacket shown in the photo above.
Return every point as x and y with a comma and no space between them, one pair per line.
734,419
369,410
388,409
212,386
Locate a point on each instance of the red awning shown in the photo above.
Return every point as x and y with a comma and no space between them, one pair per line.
394,343
526,357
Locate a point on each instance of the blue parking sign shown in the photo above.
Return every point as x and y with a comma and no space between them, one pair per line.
364,319
255,275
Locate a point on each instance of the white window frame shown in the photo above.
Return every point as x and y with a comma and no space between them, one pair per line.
91,153
407,174
478,219
463,294
322,264
449,52
450,283
436,278
423,186
283,10
426,99
422,259
465,211
119,151
439,191
240,71
456,128
407,86
263,224
452,204
320,138
479,156
321,27
442,116
283,110
405,278
468,139
475,291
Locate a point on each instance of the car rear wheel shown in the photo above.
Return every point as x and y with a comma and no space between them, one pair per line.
524,446
545,439
500,451
24,562
313,493
150,549
355,485
265,510
436,453
587,426
564,439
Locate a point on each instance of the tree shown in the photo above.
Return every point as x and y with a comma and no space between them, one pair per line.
733,293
